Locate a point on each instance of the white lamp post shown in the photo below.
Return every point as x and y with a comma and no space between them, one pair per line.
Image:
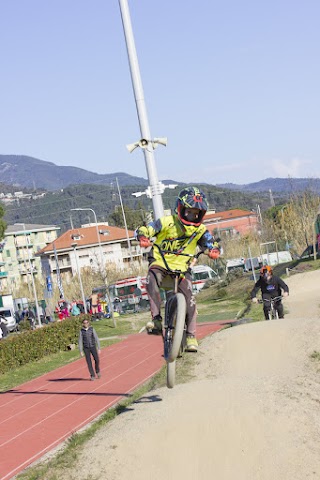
145,143
97,229
74,246
124,220
102,260
31,273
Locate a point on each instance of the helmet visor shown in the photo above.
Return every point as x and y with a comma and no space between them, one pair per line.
192,215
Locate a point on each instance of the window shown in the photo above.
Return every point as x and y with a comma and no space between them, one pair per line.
8,253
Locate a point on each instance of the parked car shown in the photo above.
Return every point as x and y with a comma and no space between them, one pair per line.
10,318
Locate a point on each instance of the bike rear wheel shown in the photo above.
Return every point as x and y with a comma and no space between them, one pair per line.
176,309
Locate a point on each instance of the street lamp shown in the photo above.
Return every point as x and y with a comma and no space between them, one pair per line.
102,261
74,246
31,273
124,220
97,229
146,144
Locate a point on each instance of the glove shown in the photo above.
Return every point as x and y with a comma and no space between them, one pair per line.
214,254
144,242
254,300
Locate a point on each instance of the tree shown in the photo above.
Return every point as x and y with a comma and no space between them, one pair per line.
3,224
134,217
294,223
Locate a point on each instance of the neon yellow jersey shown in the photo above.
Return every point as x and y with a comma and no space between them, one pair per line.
171,235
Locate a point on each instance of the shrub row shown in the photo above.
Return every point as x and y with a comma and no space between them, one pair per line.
32,345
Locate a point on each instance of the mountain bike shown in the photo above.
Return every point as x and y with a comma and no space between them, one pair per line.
272,302
175,329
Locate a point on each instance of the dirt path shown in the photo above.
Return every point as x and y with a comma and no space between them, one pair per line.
252,413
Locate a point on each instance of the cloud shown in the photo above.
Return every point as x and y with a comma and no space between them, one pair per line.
292,168
250,171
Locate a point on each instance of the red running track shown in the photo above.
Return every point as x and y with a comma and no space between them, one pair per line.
44,412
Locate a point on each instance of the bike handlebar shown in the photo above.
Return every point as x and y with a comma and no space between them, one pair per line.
176,272
271,299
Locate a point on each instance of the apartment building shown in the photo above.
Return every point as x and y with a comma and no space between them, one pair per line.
231,222
18,253
91,246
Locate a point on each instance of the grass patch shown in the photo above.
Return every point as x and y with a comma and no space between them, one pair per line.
315,356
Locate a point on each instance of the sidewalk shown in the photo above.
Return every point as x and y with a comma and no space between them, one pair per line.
42,413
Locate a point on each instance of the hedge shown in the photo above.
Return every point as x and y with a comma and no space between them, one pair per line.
32,345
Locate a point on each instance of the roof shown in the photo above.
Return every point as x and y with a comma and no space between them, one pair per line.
228,214
88,237
28,227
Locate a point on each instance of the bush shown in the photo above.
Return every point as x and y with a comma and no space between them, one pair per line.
32,345
24,325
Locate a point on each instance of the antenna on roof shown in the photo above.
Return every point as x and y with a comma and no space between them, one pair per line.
271,198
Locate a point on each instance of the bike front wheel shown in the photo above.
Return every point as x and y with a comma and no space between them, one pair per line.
171,374
175,320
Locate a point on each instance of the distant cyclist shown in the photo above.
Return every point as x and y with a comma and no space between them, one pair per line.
271,286
180,233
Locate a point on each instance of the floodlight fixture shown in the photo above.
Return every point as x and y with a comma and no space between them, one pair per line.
144,143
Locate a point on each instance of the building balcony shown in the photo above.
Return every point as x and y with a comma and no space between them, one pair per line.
135,252
22,243
22,271
26,271
24,257
62,265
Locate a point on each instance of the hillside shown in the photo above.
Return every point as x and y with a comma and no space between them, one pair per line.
24,171
277,185
55,207
27,172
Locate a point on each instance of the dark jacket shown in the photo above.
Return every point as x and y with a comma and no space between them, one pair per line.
88,338
271,288
3,326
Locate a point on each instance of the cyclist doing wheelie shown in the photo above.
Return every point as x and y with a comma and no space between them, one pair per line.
271,286
181,234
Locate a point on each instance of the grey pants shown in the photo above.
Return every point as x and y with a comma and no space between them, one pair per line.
155,278
88,351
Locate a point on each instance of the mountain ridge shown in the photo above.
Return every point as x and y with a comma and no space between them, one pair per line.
29,172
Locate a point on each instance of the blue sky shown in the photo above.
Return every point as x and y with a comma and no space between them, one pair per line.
233,85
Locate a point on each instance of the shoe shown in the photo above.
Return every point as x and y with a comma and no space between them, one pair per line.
192,344
99,375
92,378
155,326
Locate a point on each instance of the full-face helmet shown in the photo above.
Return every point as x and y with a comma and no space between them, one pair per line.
266,271
191,206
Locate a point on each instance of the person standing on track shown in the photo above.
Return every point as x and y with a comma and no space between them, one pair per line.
271,286
89,344
181,233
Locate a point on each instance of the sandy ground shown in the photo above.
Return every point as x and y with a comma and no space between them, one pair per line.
251,414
